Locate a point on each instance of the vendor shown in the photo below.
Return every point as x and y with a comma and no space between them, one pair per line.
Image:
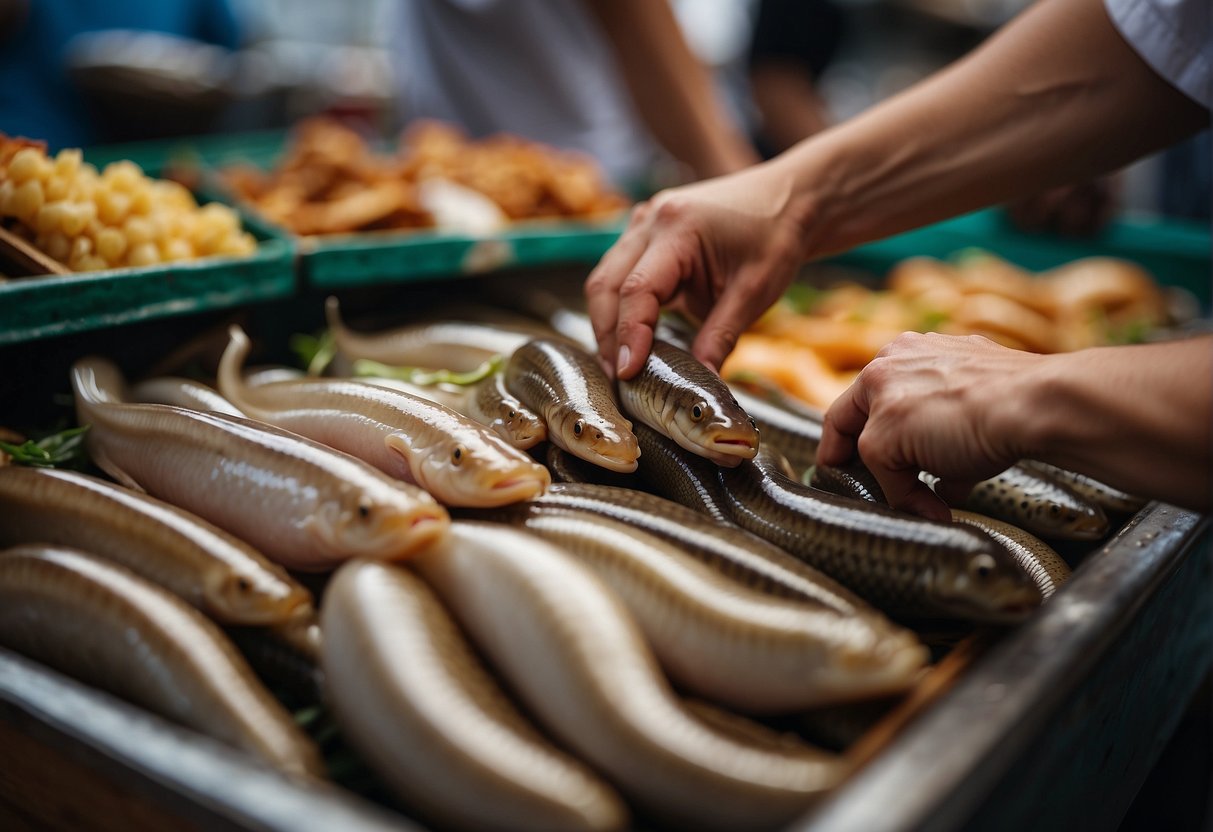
1070,89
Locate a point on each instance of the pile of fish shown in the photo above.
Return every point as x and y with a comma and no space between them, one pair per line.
569,653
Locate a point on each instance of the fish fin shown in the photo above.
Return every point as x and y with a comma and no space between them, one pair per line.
101,460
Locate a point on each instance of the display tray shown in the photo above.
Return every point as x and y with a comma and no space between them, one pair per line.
1052,724
46,306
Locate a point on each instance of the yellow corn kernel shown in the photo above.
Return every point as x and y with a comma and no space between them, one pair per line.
111,244
27,200
144,254
177,249
24,165
49,218
138,230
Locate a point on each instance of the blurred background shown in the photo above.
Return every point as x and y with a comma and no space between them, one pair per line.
80,73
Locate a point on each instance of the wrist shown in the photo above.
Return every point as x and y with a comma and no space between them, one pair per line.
1041,407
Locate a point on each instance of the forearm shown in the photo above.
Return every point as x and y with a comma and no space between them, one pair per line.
1056,96
672,91
1139,418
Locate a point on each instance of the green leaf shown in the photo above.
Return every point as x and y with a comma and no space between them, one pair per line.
315,352
425,377
64,449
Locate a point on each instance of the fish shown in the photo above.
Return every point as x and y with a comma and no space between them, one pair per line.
679,475
1101,494
679,397
566,468
730,550
418,704
903,564
575,658
105,626
726,642
458,461
460,346
852,479
491,404
570,392
301,504
181,392
1038,503
210,569
791,428
1042,564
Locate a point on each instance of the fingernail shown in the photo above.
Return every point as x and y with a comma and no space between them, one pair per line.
625,355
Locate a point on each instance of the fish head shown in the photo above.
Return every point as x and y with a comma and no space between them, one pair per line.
521,427
596,440
985,586
714,428
386,523
254,596
477,470
1081,521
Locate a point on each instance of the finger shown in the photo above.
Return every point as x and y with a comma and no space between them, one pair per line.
906,492
602,288
732,313
844,421
652,281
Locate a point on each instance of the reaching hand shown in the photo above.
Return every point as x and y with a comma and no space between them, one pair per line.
933,403
723,250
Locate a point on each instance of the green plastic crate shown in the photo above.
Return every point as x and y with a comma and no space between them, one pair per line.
45,307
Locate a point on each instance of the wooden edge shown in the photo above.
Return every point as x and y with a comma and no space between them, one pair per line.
27,259
935,682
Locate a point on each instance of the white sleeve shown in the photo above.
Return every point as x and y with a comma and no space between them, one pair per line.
1174,37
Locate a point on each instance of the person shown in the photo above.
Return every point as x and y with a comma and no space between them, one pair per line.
1067,90
611,78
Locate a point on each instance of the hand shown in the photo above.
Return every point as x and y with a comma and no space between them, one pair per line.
723,250
937,403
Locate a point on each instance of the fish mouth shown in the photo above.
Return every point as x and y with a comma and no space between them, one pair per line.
403,535
620,464
1089,527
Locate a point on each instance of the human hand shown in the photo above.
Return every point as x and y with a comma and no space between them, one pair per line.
722,250
936,403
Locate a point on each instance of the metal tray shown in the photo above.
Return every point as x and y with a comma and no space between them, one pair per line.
1053,727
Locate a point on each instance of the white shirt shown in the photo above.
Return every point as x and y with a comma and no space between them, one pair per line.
536,68
1175,37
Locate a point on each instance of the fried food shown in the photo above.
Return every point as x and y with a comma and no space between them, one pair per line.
330,181
90,220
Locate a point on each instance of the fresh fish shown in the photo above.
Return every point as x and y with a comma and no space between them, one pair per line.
1043,565
569,391
733,552
460,346
787,426
210,569
679,475
417,702
182,392
566,468
680,398
576,660
852,480
107,627
1038,503
905,565
458,461
1101,494
300,503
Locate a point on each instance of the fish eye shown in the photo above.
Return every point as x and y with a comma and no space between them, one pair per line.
982,567
513,413
753,424
578,427
697,412
457,455
364,509
244,584
1055,509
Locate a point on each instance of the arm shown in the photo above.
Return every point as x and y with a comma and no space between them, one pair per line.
1139,418
1056,95
672,91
